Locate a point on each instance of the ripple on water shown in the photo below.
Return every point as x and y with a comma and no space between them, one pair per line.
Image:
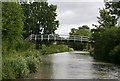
74,65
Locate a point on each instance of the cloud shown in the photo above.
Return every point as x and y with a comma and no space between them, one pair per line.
65,29
66,14
71,13
66,17
74,14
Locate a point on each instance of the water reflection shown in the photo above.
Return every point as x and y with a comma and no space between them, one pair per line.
74,65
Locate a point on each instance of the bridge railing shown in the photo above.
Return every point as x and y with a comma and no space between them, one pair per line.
52,37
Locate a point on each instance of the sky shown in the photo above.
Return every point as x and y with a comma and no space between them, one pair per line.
75,13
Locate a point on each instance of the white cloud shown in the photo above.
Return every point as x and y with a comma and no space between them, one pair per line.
75,14
66,14
65,29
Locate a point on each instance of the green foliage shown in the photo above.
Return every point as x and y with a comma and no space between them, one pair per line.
17,66
32,63
7,70
54,49
40,18
105,41
107,35
114,8
105,19
12,25
115,54
20,64
81,31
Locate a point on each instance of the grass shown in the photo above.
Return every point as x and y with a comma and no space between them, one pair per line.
54,49
26,59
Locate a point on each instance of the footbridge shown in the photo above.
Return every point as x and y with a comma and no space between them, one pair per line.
52,37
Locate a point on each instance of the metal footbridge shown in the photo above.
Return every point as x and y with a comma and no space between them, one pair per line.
52,37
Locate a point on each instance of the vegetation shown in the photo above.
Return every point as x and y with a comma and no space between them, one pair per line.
54,49
81,31
20,20
21,62
20,57
40,18
12,19
107,34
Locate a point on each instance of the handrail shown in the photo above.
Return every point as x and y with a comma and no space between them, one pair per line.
53,37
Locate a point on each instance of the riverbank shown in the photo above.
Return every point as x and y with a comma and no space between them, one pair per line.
23,62
54,49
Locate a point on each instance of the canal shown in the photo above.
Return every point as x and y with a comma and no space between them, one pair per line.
74,65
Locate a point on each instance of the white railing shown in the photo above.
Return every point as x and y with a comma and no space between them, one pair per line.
52,37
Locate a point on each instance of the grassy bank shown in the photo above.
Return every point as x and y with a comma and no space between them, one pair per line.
54,49
19,64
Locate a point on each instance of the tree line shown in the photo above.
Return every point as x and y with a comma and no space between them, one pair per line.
106,35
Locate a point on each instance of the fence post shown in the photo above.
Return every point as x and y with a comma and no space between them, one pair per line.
41,37
31,37
36,41
35,37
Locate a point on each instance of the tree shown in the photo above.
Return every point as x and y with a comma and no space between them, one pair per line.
104,43
106,19
40,18
12,25
81,31
106,35
113,8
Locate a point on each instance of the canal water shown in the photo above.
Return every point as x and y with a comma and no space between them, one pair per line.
74,65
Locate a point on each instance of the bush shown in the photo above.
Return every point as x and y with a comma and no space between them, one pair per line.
19,64
7,70
105,41
20,67
32,63
115,54
54,49
14,68
30,52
